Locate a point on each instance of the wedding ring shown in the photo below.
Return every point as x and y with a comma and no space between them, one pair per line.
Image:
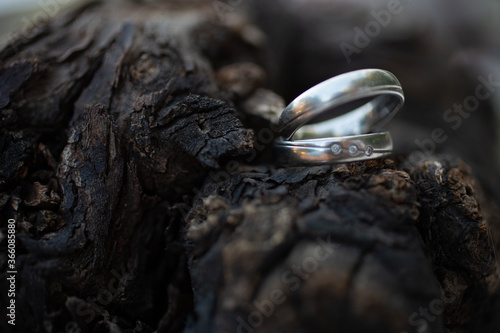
329,123
332,150
356,102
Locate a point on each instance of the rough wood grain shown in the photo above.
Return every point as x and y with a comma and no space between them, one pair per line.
362,247
145,202
109,117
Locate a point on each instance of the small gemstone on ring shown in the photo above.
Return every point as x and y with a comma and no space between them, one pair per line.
353,149
336,148
368,151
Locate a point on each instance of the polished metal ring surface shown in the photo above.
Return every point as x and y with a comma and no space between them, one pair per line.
353,103
333,121
352,148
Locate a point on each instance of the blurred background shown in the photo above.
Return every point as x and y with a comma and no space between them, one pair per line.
441,51
446,55
21,14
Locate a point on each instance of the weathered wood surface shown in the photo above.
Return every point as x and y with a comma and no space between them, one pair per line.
145,202
363,247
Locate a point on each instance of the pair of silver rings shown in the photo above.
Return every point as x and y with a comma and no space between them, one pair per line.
337,121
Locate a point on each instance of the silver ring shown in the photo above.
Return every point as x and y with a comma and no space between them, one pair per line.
326,109
344,149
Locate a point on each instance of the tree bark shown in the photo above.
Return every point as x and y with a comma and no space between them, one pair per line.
353,248
135,161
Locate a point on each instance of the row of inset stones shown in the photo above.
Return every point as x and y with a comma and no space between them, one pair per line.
353,149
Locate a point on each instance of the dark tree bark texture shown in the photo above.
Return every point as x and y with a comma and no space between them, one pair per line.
134,158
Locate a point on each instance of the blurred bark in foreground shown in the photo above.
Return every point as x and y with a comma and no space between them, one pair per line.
134,161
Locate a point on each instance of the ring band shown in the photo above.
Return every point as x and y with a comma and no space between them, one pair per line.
344,149
328,123
378,91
